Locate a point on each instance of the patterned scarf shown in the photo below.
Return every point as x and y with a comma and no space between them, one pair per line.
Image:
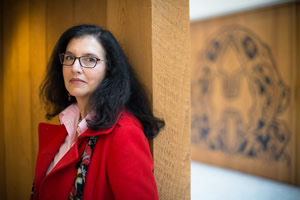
77,188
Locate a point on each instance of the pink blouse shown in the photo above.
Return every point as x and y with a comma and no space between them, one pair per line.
70,118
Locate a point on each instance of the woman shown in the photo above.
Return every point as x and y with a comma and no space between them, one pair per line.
100,150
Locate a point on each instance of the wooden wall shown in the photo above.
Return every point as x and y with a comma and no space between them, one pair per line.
29,30
245,92
2,147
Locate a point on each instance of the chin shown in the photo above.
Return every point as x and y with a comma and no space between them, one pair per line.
78,95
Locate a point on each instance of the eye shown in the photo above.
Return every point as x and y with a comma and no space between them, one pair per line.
69,57
90,59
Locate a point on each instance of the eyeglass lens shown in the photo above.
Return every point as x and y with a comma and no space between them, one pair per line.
85,61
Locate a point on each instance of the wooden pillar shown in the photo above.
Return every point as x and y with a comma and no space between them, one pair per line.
171,96
155,36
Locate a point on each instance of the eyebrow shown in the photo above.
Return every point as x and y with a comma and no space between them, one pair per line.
86,54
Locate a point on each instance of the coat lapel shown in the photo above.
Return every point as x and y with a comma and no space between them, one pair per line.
50,139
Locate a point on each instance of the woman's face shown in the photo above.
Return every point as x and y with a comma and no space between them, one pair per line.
81,82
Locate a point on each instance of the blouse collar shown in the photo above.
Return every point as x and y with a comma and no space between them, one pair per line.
70,119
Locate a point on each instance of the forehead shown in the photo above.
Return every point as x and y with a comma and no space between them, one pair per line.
85,45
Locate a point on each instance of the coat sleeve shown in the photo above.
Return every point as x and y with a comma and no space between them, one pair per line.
130,165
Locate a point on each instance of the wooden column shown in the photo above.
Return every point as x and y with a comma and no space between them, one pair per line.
171,96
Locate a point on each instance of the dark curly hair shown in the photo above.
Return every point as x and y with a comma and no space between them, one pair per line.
120,88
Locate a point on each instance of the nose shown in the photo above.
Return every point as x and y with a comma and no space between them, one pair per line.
76,67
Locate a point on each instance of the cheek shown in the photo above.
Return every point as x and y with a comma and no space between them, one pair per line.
98,76
66,73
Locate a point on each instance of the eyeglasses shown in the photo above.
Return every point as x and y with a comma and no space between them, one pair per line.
85,61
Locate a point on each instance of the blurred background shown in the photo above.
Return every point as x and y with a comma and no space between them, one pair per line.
245,131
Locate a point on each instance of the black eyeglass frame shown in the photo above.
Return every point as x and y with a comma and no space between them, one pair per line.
61,57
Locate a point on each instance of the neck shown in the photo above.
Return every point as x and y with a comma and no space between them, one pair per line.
82,105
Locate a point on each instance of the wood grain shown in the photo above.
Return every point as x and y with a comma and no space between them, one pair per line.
277,29
37,62
91,12
17,126
171,97
130,22
59,15
2,143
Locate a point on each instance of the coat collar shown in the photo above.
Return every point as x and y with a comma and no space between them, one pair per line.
50,132
51,138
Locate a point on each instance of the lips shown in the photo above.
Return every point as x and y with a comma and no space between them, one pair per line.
77,80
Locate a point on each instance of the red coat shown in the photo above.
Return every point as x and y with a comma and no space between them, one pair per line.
121,166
